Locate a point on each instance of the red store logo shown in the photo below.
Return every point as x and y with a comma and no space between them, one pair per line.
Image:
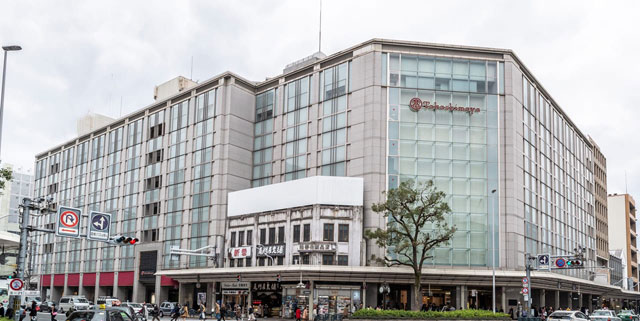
416,104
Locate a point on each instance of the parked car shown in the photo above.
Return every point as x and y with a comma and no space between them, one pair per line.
627,315
77,302
604,315
166,307
567,316
46,306
108,314
137,307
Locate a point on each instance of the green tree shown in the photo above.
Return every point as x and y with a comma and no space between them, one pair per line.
5,175
416,224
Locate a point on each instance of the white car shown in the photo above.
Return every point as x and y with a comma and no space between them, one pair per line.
137,307
76,302
604,315
568,316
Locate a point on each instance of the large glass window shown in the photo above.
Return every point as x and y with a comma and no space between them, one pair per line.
296,133
334,121
263,138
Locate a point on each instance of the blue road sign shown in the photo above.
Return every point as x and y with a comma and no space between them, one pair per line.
99,228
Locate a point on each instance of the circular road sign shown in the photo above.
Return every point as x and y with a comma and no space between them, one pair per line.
525,280
16,284
525,290
561,263
100,222
69,219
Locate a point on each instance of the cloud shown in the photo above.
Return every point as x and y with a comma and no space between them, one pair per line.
81,56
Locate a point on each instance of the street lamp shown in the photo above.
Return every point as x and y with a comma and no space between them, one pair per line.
493,250
4,74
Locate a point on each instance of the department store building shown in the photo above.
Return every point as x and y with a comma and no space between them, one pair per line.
262,170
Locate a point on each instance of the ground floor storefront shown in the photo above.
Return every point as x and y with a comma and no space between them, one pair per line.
336,292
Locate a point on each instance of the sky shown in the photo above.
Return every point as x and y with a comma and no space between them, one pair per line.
107,56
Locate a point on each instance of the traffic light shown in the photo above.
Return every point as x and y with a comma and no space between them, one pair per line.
574,263
239,277
122,240
278,278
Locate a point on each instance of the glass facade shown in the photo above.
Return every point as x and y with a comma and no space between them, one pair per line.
455,148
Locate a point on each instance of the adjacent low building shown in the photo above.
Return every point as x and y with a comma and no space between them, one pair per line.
244,167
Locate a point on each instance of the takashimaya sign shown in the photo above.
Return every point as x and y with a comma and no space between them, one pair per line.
416,104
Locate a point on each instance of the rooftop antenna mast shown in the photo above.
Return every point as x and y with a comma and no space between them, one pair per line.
320,30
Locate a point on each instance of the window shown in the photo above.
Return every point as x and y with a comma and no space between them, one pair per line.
343,232
327,234
305,259
241,238
327,259
263,139
249,237
233,239
334,121
272,235
281,235
263,236
280,260
296,259
248,262
296,103
296,233
307,233
343,260
261,261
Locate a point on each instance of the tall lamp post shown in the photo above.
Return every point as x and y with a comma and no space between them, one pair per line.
493,249
4,74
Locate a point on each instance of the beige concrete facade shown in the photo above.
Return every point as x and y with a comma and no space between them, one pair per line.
622,231
600,207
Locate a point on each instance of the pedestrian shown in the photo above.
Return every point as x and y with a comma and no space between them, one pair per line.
185,311
202,310
54,312
1,310
298,314
175,312
223,312
155,313
305,314
216,310
33,313
238,312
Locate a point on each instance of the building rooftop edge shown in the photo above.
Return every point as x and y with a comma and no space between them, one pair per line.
257,84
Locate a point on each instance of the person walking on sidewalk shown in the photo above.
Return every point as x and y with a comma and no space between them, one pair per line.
185,311
203,311
54,312
155,313
298,314
216,310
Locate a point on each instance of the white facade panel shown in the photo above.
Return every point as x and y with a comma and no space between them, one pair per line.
326,190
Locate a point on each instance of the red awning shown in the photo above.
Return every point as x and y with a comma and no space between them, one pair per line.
73,279
58,280
125,278
167,281
106,279
45,280
89,279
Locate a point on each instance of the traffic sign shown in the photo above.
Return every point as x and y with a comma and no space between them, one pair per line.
525,291
560,262
99,226
525,281
543,261
16,284
68,223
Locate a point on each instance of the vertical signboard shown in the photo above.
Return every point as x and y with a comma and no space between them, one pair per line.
99,228
68,222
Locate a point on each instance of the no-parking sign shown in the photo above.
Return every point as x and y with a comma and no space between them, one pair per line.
16,284
68,222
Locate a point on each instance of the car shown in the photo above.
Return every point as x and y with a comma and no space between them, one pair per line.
166,307
46,306
107,301
567,315
137,307
77,302
108,314
627,315
604,315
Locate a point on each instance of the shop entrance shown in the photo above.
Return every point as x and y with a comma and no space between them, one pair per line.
294,298
267,298
338,300
235,301
436,298
397,298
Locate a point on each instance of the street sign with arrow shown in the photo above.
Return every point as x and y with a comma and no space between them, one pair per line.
99,226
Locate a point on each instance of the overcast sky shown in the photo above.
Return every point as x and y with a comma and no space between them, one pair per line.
82,56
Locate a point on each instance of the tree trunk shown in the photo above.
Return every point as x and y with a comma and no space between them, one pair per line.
417,290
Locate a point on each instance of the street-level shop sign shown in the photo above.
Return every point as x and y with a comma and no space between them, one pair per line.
266,287
240,252
99,226
235,285
235,292
270,250
68,222
317,247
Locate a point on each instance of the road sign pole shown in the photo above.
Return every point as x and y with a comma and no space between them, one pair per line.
527,264
22,255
